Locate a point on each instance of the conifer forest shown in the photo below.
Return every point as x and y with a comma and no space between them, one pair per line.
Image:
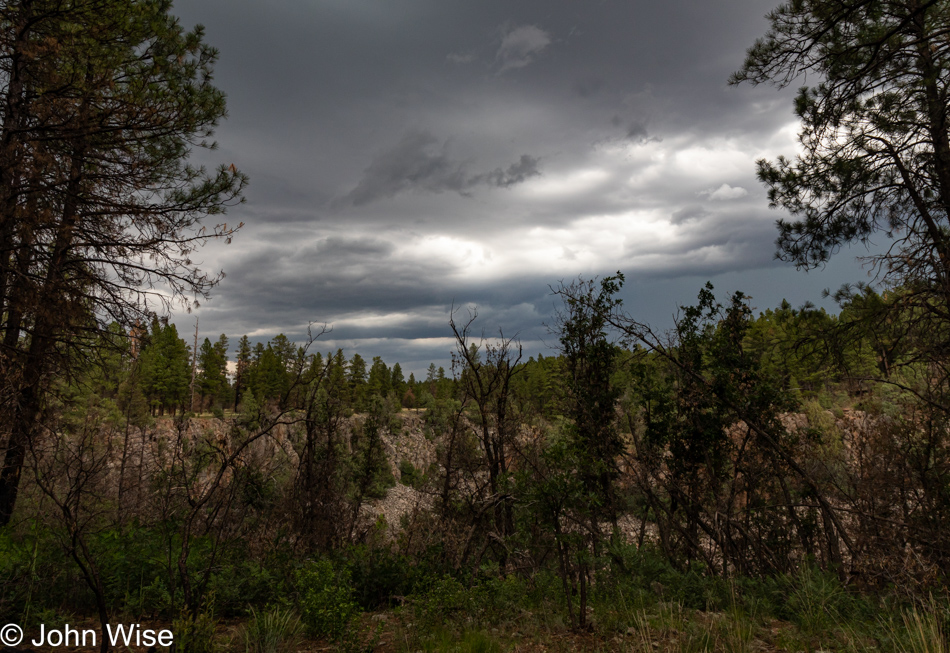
752,478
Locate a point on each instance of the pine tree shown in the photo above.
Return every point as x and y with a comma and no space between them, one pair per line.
356,378
875,141
100,204
380,381
398,380
224,388
212,376
241,370
165,364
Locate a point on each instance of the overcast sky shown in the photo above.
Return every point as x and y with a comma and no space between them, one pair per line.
410,154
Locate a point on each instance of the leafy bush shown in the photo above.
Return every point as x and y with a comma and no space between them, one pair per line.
240,582
379,575
195,633
327,604
395,425
444,600
491,600
409,474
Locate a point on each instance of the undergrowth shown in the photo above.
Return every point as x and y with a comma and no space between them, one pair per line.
638,601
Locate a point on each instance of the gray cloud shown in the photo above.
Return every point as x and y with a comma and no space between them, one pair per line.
637,130
460,57
725,192
420,162
416,116
516,173
412,163
691,213
348,249
520,46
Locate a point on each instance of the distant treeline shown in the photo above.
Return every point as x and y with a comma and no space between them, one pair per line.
159,367
154,365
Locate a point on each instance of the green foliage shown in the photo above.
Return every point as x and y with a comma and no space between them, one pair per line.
795,348
409,475
439,416
267,374
398,382
327,605
816,600
276,630
380,382
925,629
444,599
380,576
249,416
165,368
868,163
589,361
539,388
372,473
212,379
241,582
468,641
689,399
195,633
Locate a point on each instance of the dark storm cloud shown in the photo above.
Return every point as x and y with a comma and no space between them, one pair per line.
420,162
637,130
335,249
412,163
407,155
525,168
693,212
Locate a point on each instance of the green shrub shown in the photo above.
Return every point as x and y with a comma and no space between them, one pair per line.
409,474
327,605
443,600
240,582
491,600
149,600
395,425
380,576
195,633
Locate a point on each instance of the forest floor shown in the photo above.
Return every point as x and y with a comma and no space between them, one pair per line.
689,631
669,628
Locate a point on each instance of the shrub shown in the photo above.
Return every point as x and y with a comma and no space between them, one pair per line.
409,474
194,633
380,576
327,605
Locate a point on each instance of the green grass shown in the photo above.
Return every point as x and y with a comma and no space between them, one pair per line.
274,631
